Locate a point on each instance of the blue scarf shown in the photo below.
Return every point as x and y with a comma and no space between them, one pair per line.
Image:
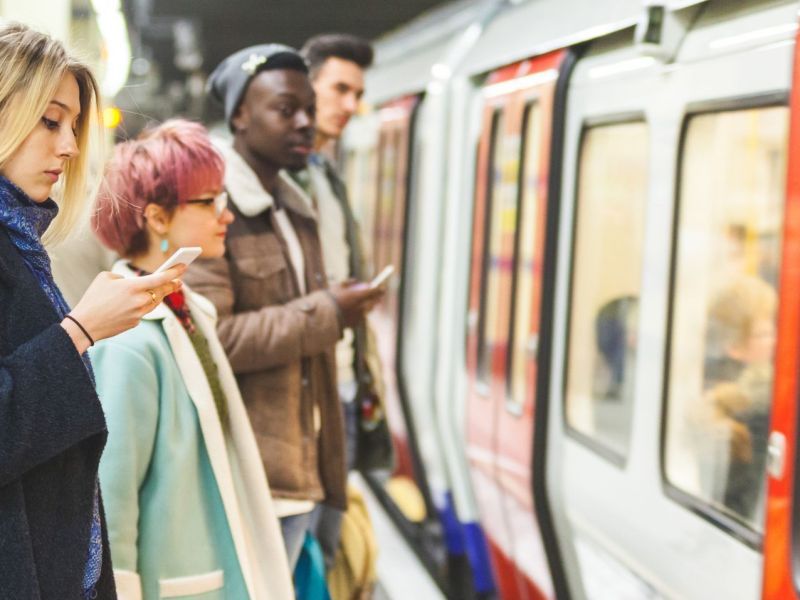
25,221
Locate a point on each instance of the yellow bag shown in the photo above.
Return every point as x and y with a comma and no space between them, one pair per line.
354,572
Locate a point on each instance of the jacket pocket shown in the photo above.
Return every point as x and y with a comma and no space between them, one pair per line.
207,586
262,281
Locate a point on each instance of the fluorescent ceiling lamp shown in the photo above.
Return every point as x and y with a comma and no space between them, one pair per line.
114,32
623,66
758,34
520,83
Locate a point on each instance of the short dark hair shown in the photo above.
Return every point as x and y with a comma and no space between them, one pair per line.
320,48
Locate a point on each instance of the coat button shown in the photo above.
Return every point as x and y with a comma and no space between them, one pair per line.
305,381
318,277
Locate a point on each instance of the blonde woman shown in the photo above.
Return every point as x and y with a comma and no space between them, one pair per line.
738,374
52,429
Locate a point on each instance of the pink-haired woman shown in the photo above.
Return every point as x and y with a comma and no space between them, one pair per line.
188,504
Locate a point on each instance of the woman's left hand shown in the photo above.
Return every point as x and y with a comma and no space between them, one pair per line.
114,304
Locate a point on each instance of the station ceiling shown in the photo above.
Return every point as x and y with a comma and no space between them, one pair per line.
224,26
176,43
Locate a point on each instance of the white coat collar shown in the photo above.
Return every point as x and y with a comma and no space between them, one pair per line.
247,193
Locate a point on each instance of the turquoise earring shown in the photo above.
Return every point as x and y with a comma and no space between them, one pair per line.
164,245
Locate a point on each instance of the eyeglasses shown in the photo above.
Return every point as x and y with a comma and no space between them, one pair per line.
219,202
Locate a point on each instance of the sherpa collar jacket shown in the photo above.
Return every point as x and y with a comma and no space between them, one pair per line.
52,432
280,343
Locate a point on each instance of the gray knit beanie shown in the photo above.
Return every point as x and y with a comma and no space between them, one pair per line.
228,83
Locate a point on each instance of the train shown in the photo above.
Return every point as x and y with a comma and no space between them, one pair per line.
592,344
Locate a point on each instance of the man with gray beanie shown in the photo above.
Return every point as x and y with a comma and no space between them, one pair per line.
278,321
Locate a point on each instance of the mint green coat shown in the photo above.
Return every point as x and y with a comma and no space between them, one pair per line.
187,502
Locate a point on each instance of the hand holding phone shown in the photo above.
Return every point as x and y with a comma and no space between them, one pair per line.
183,256
382,277
356,298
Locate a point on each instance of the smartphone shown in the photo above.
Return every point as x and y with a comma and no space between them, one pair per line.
382,277
182,256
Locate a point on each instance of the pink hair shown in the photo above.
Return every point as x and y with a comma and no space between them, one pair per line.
167,165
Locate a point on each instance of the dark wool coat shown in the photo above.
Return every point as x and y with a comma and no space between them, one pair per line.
52,432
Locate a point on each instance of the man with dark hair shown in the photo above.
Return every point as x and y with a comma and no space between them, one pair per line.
278,320
337,63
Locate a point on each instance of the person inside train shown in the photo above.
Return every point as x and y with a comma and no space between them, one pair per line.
613,372
336,66
615,335
188,504
52,428
279,321
738,382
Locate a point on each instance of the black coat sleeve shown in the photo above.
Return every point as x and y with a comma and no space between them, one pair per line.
47,402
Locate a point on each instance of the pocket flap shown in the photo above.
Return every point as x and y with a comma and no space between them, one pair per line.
191,584
260,267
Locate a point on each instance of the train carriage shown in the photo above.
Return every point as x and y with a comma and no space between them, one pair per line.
592,346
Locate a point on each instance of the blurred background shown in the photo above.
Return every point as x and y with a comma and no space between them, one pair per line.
153,56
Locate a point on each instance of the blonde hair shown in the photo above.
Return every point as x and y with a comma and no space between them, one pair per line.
736,308
32,65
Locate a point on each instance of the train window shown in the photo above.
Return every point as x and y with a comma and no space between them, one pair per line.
724,309
384,234
499,253
523,326
607,272
360,175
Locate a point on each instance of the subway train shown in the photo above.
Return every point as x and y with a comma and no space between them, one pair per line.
592,342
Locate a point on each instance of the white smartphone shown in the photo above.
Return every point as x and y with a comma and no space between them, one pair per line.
382,277
182,256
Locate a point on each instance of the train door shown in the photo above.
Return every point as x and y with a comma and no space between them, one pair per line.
405,492
672,225
504,308
781,551
420,354
386,245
